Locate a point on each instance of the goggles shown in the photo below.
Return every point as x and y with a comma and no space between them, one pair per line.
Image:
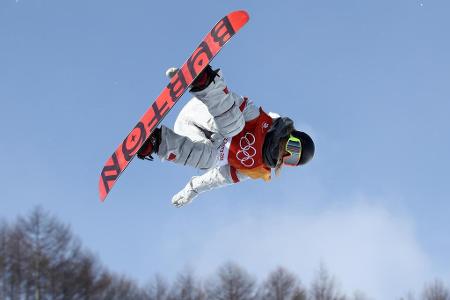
294,148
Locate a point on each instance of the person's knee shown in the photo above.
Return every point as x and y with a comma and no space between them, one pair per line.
206,156
199,155
231,122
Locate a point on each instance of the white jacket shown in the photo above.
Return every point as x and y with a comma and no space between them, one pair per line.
213,114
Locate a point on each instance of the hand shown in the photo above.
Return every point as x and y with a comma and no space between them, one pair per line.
183,197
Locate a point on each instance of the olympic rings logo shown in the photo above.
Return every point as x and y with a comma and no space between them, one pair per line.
247,152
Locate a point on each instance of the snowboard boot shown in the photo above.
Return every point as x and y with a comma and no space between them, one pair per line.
150,146
203,79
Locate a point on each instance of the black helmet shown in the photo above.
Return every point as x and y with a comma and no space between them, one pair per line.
307,144
281,129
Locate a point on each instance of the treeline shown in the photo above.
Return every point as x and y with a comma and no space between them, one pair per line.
40,258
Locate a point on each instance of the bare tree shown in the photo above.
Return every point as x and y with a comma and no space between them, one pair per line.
119,288
359,295
53,256
299,294
281,285
324,286
3,258
157,288
231,283
40,231
16,270
186,287
436,291
409,296
40,259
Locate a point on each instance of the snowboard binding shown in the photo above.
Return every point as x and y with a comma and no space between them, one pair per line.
150,146
204,79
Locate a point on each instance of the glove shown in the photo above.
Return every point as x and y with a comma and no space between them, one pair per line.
185,196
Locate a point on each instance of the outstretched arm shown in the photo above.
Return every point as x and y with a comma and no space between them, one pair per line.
212,179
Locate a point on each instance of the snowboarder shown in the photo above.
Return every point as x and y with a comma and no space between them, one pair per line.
228,136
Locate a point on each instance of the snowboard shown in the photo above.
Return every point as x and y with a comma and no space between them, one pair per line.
213,42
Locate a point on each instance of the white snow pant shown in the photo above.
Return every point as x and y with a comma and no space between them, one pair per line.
202,125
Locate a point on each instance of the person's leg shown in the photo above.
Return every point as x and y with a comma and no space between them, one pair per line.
182,150
222,104
195,122
190,143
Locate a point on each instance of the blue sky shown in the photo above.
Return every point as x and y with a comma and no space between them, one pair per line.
368,79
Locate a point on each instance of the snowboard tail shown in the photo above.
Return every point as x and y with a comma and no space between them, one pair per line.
219,35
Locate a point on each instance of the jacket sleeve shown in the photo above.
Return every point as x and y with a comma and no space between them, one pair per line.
227,108
214,178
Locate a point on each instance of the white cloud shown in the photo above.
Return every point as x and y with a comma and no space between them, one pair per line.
365,246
